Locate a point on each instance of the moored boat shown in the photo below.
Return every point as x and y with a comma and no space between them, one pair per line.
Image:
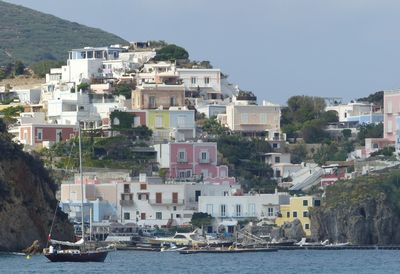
79,253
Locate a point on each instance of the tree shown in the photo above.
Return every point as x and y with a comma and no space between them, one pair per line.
313,132
213,127
369,131
42,67
375,98
124,89
171,52
19,68
346,133
121,120
201,219
330,116
298,153
83,86
329,152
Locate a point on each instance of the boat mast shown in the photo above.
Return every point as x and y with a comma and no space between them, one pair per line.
81,178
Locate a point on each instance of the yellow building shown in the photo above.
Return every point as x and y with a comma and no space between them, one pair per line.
298,208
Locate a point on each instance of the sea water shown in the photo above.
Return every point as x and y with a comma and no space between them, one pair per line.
295,261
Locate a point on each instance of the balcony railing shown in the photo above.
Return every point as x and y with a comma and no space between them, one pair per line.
167,202
126,202
204,161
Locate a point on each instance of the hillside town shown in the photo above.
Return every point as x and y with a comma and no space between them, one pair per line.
166,140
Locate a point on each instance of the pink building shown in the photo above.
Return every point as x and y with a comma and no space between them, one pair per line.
45,134
391,107
190,160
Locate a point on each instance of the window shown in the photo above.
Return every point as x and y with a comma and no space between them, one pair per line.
277,173
158,197
288,214
182,155
158,122
181,174
305,202
307,226
98,54
245,118
174,197
159,215
263,118
389,127
277,159
89,54
136,121
206,80
209,208
126,188
181,121
188,173
222,173
174,208
152,102
178,215
143,216
294,214
172,101
317,202
143,186
58,135
252,210
389,107
204,156
274,145
223,210
204,173
127,216
193,80
270,211
197,194
305,214
40,134
238,210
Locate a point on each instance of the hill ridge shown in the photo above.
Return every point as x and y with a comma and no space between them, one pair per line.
29,35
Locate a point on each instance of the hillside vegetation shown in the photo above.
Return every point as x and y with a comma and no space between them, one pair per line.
31,36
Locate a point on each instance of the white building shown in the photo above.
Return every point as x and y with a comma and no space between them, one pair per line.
70,107
207,81
235,208
345,111
87,63
152,203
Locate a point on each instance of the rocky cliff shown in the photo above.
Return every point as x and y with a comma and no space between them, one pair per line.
361,211
27,199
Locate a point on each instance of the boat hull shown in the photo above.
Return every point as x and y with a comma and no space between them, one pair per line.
96,256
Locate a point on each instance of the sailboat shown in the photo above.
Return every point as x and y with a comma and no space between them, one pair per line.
78,251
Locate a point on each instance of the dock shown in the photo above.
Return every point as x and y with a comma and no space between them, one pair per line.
239,250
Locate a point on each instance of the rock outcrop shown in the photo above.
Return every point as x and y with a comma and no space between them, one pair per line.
362,211
27,199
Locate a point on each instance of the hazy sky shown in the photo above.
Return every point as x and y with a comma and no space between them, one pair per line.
277,49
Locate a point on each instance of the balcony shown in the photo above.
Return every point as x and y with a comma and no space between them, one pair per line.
181,160
204,161
126,202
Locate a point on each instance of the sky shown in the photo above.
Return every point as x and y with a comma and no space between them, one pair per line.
275,48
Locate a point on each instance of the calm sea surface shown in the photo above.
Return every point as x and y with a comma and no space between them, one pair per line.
298,261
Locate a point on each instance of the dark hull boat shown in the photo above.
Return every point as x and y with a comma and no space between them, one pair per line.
77,256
